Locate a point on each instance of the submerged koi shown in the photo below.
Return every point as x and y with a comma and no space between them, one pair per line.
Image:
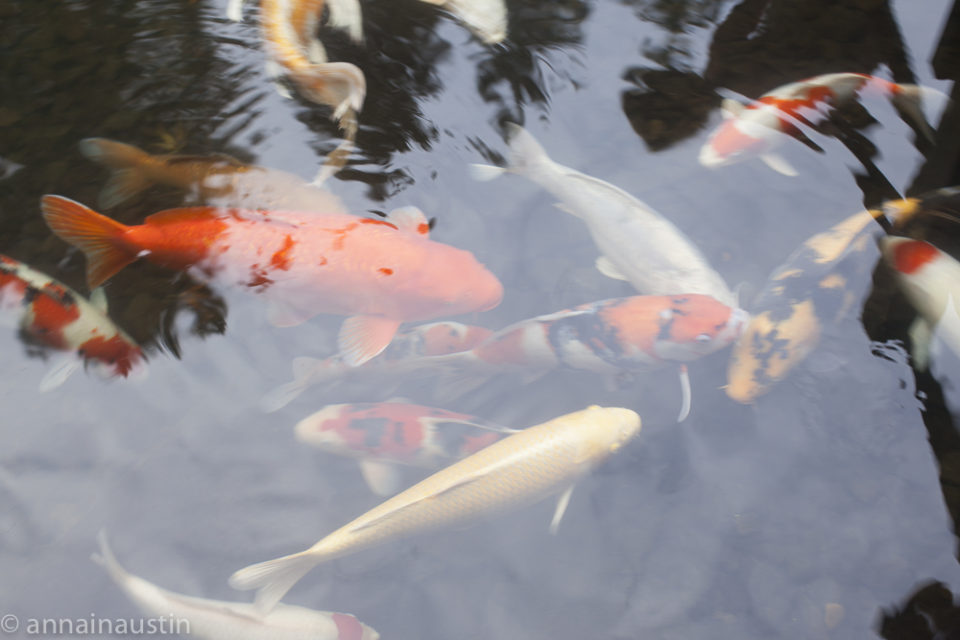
286,25
518,470
214,180
57,317
486,18
636,243
930,279
433,339
379,272
384,434
220,620
756,129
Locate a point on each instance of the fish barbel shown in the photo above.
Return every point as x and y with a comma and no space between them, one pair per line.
518,470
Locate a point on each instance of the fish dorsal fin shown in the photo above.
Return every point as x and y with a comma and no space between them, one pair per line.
608,269
410,219
730,108
98,298
383,478
364,337
184,214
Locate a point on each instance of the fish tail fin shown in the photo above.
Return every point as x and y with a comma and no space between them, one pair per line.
96,235
107,560
273,578
908,100
525,151
127,163
278,398
346,15
339,85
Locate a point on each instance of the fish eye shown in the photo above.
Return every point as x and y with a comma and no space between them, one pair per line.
703,338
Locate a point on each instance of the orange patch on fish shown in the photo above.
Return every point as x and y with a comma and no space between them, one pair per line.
909,257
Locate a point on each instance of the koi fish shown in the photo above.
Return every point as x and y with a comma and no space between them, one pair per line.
756,129
379,272
930,279
636,243
811,287
384,434
343,14
215,180
519,470
221,620
286,25
55,316
486,18
611,337
433,339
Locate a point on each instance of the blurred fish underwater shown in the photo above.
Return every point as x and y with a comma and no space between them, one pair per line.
315,167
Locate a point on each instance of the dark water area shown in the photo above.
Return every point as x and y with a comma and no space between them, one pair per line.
827,508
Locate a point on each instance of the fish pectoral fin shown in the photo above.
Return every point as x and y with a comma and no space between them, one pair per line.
410,219
59,373
562,504
364,337
383,478
123,184
98,298
778,164
921,335
485,172
607,268
731,108
685,392
283,315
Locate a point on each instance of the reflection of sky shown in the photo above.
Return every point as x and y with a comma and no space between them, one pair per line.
742,522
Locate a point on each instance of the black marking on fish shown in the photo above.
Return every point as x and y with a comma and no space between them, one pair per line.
589,330
373,430
450,436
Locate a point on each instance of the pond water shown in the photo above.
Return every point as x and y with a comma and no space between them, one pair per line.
822,510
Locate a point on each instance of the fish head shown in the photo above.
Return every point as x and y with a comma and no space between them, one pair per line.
694,325
906,256
926,274
736,139
324,428
447,281
612,427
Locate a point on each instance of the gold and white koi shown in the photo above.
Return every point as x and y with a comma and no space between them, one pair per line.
221,620
487,19
217,180
519,470
636,243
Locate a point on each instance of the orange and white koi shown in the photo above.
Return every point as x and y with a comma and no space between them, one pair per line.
756,129
221,620
55,316
931,281
636,243
432,339
287,26
214,180
384,434
611,337
486,18
521,469
379,272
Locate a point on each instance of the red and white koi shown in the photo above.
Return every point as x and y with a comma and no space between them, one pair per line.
213,180
611,337
931,281
521,469
379,272
757,128
384,434
636,243
222,620
55,316
432,339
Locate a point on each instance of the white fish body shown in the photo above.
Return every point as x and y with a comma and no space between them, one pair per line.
216,619
518,470
486,18
637,244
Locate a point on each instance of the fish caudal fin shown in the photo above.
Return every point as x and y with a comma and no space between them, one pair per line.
126,162
97,236
273,578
